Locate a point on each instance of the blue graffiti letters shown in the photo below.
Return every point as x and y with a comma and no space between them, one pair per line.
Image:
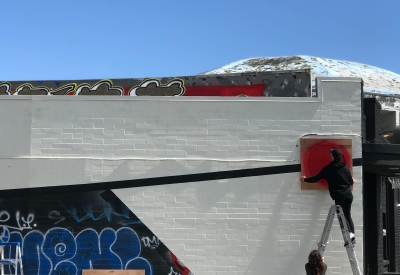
59,252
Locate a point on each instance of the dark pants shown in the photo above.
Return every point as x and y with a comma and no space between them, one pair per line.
346,206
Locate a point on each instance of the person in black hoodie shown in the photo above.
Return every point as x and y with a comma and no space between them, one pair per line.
340,180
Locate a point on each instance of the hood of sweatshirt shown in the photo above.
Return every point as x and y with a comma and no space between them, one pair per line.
338,164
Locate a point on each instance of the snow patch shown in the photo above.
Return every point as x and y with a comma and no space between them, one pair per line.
376,80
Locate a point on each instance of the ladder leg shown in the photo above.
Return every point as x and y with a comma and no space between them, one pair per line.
327,230
346,237
16,260
2,257
20,261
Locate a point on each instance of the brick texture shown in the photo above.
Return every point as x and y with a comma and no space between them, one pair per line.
235,226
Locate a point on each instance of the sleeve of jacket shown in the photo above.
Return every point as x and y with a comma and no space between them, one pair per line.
319,176
351,180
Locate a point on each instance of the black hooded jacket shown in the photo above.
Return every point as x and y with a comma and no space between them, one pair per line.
339,179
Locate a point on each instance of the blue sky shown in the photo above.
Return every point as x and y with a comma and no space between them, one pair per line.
87,39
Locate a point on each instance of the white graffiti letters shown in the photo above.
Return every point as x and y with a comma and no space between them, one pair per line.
26,222
152,243
172,272
55,215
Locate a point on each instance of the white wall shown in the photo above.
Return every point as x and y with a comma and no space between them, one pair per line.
251,225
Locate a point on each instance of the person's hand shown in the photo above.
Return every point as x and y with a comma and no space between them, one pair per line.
302,178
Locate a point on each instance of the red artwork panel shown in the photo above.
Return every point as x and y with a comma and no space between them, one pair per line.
315,154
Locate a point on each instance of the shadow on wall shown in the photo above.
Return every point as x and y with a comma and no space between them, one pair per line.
285,255
257,209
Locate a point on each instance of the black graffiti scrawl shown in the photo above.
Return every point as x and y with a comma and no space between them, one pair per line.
63,234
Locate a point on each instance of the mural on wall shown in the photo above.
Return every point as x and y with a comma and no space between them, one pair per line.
28,89
258,84
315,155
64,234
153,87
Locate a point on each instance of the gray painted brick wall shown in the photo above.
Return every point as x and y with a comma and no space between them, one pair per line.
236,226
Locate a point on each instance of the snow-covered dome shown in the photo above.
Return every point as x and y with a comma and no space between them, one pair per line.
376,80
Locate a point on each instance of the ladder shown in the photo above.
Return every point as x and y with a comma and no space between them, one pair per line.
337,210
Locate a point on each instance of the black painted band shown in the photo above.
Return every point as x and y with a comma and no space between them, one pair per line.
231,174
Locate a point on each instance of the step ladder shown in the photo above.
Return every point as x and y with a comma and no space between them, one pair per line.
11,257
337,210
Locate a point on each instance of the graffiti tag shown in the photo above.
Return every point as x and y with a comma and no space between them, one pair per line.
55,215
151,243
26,222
